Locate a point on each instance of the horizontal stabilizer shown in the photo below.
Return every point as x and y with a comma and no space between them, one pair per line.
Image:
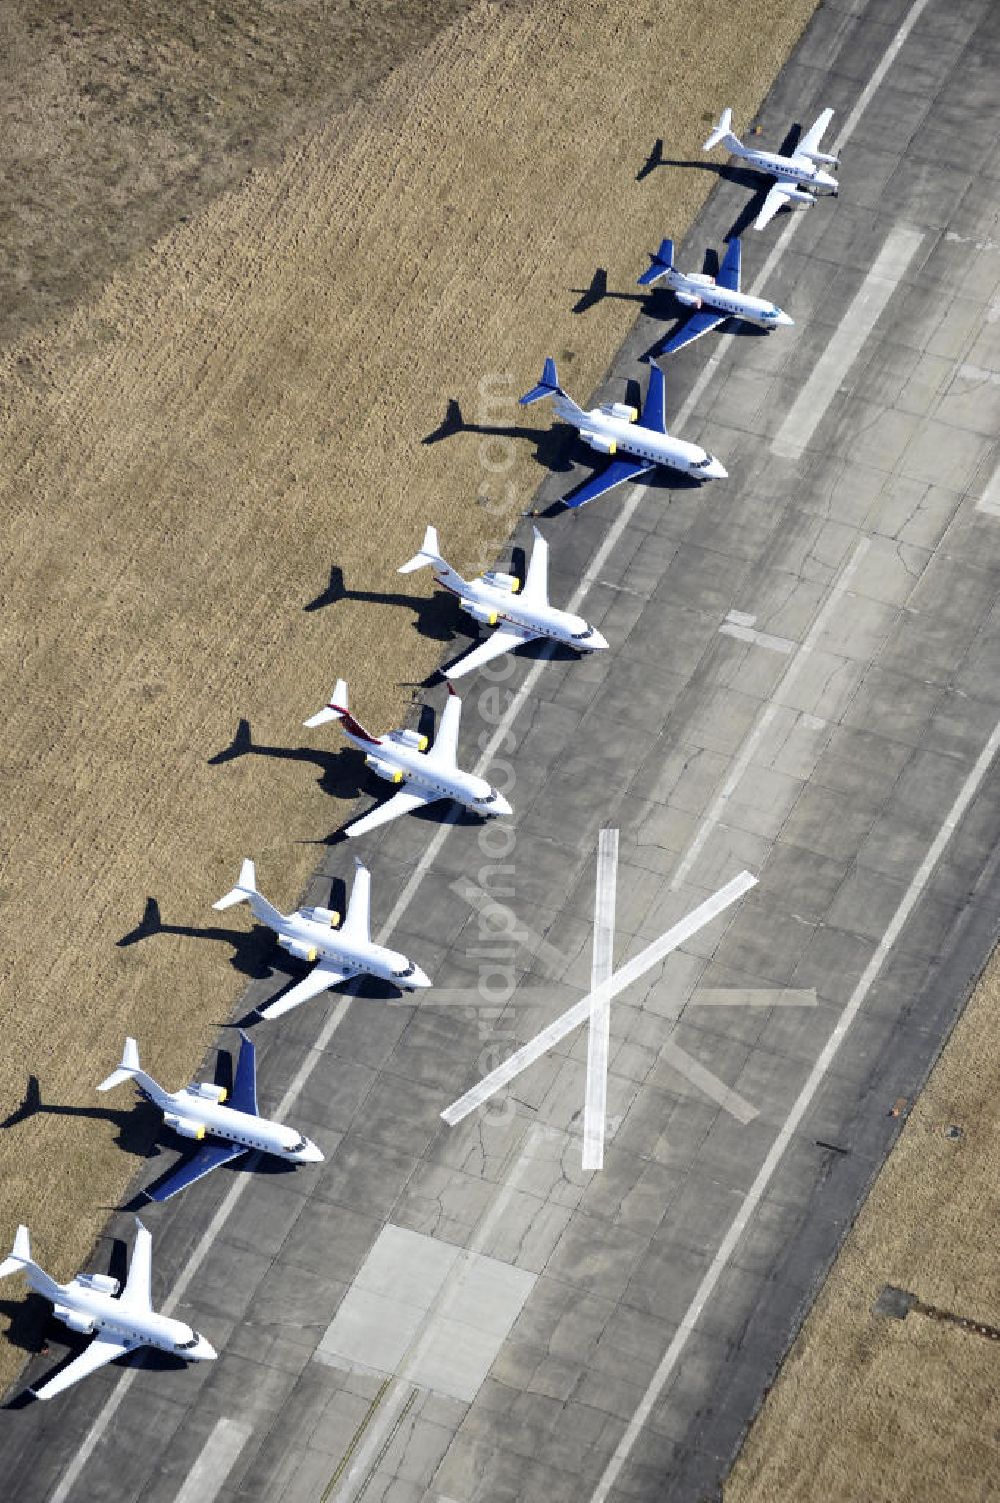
244,887
723,133
659,265
127,1068
548,386
20,1256
335,710
429,554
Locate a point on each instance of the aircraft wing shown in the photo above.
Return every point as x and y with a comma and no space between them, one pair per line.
444,752
323,975
810,141
697,325
778,196
244,1097
617,471
206,1157
536,582
654,411
357,923
400,803
504,639
104,1348
730,270
137,1294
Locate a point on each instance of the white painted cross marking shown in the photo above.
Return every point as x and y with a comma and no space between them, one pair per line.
579,1013
599,1037
742,628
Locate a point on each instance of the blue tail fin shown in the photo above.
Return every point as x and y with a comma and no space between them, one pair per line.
548,386
662,262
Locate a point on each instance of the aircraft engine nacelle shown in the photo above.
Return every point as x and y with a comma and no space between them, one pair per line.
208,1091
601,444
689,299
825,158
184,1127
101,1283
298,948
479,612
322,916
74,1320
622,410
410,738
800,195
502,581
384,770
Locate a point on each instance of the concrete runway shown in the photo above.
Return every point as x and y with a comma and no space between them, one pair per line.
803,682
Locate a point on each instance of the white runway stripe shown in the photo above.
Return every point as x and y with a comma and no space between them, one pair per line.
595,1107
806,412
215,1461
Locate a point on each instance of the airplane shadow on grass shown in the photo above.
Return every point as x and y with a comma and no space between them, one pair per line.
250,946
340,773
138,1125
552,444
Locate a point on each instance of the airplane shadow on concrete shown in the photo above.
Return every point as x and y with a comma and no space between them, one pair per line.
730,172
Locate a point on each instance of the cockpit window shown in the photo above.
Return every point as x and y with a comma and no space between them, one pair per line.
488,798
185,1346
297,1147
406,971
702,464
578,636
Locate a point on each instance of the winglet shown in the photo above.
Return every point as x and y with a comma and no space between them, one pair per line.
723,132
244,887
429,554
659,265
126,1070
335,710
548,386
20,1256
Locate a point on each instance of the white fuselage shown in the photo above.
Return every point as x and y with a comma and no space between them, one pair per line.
315,938
791,169
697,290
411,765
616,435
217,1120
540,621
136,1327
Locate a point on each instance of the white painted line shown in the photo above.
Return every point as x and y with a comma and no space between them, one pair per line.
764,720
804,416
744,631
802,1102
989,501
979,374
708,1083
781,996
595,1106
581,1011
215,1461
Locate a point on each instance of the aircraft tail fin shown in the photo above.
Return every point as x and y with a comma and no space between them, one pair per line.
335,710
548,386
723,133
429,554
244,889
20,1256
128,1068
660,264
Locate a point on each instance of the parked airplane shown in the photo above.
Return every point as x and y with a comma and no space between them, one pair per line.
800,177
120,1322
312,934
614,426
198,1112
402,756
525,615
715,298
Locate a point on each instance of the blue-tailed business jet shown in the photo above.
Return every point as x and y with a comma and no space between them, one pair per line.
714,298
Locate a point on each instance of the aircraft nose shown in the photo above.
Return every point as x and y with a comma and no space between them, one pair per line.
716,470
501,807
311,1154
418,979
204,1351
598,642
784,320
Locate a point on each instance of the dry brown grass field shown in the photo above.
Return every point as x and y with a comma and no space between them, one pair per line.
235,403
871,1409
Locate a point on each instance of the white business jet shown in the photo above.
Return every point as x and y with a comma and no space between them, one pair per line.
715,298
91,1303
614,427
800,177
312,934
403,756
524,615
198,1111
